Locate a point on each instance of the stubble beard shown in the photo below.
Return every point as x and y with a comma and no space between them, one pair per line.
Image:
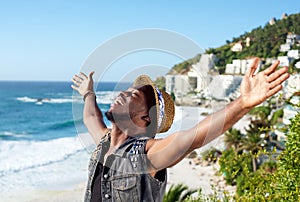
119,117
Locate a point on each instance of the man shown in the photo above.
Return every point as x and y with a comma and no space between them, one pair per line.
129,164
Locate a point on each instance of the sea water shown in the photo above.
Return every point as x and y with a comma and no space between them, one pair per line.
39,144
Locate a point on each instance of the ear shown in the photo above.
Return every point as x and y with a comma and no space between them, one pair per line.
146,118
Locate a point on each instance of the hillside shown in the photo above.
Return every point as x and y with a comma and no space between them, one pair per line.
264,43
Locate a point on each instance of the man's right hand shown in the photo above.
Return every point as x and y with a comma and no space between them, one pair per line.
83,83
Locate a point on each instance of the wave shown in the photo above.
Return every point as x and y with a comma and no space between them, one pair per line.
106,97
16,156
47,100
65,124
26,99
103,97
10,135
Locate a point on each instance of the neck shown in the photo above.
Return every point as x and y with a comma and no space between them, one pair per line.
119,136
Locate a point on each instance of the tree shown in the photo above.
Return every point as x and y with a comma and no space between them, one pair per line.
233,138
178,193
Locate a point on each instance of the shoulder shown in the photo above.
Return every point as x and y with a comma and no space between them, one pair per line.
150,143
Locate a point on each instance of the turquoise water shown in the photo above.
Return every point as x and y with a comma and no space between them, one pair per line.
39,143
41,110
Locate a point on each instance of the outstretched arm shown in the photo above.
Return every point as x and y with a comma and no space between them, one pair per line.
92,116
255,89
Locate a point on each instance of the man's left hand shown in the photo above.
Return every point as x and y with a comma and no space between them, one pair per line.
256,88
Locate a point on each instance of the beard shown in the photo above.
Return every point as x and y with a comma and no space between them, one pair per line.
113,117
109,116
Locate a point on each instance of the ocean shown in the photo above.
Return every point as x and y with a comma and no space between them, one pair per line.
40,124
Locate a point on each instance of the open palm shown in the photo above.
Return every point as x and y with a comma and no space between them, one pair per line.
256,88
83,83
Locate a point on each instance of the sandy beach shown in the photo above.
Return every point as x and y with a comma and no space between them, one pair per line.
192,174
186,172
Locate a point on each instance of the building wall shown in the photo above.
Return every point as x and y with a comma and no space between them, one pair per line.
239,66
178,84
291,85
293,54
284,60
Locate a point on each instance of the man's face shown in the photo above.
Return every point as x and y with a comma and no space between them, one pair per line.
130,104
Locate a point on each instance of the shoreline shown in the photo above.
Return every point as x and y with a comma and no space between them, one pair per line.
198,176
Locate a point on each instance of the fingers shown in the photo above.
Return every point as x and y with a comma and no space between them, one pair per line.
279,80
277,74
77,80
74,87
82,81
253,67
91,74
272,68
83,75
274,90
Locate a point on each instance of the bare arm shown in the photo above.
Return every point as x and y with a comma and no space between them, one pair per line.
92,115
255,89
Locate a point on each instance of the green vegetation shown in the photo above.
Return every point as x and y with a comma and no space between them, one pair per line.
264,41
178,193
211,155
160,83
233,138
277,179
184,66
283,184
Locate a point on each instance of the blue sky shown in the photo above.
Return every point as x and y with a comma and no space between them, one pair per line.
50,40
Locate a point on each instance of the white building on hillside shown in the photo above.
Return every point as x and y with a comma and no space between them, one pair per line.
239,67
291,39
292,85
284,60
290,111
297,65
196,79
179,84
222,86
293,54
237,47
201,71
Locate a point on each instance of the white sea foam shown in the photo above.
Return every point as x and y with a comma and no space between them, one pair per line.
48,100
106,97
35,164
26,99
103,97
16,156
11,134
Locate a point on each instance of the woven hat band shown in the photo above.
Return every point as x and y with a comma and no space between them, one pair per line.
161,108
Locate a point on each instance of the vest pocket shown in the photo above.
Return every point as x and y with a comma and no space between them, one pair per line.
125,189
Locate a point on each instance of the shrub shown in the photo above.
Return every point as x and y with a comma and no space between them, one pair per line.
283,184
231,164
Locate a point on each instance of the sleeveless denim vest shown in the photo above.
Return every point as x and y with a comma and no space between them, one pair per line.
125,177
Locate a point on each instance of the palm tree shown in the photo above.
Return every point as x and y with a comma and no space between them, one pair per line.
178,193
233,138
252,143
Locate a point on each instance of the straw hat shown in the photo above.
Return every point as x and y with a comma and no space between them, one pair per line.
164,104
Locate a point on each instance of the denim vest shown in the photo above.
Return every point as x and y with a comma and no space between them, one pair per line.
125,177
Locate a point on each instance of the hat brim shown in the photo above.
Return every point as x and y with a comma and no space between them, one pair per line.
169,110
146,80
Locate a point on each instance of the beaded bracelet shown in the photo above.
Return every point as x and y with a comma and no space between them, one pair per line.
89,92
